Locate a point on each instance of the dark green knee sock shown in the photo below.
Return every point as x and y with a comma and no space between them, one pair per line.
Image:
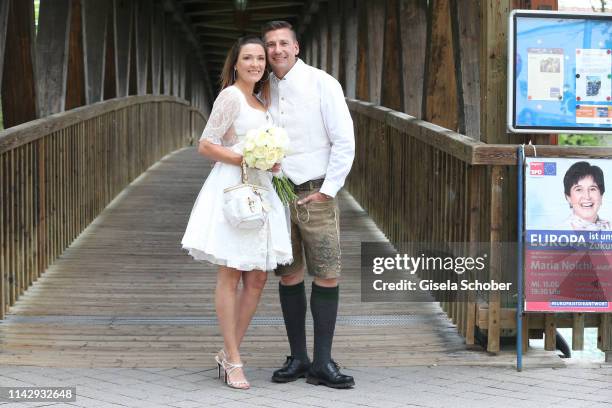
324,308
293,304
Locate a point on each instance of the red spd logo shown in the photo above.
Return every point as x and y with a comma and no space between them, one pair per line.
536,168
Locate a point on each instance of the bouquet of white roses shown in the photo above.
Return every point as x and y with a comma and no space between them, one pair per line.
265,147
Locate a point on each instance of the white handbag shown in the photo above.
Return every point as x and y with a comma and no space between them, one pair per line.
244,204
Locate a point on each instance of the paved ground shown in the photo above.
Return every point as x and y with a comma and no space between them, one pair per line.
439,386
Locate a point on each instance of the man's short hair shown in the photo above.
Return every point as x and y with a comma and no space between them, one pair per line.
277,25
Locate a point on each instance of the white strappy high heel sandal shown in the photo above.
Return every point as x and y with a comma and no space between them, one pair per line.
219,359
229,368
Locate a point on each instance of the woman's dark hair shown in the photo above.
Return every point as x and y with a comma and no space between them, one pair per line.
262,87
580,170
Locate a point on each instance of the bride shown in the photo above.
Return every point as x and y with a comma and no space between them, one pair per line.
242,254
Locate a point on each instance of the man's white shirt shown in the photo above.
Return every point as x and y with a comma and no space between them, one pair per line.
310,105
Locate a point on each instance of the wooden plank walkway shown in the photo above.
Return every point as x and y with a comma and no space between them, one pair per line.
126,295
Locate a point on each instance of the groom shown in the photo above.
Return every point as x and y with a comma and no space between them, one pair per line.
310,105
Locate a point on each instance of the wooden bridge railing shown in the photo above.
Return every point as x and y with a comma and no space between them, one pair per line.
424,183
58,173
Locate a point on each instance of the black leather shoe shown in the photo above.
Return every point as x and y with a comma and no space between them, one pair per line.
291,371
329,374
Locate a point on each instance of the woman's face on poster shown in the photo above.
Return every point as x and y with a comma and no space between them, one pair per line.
585,199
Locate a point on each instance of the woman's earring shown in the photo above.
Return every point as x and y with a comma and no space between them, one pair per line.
234,75
267,77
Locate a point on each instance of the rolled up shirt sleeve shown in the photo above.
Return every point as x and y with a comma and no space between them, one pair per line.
339,126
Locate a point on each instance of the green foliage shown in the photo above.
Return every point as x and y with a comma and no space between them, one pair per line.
584,140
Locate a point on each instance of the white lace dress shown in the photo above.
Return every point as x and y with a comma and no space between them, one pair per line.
209,237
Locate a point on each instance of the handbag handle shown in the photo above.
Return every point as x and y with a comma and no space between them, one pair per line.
243,172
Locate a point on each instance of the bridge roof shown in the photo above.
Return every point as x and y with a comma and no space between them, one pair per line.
218,23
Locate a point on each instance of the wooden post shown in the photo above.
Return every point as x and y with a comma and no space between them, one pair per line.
495,266
168,55
95,14
176,67
75,89
4,11
351,39
475,175
132,69
122,12
52,55
604,336
19,103
391,92
157,35
493,66
376,38
550,332
440,93
305,49
466,32
577,331
143,32
323,37
335,33
314,46
363,86
413,31
110,62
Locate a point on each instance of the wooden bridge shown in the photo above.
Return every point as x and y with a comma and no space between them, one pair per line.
98,173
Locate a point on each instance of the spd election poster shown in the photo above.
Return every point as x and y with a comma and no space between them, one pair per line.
568,240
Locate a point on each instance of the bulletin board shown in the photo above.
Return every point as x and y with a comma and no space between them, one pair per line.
559,72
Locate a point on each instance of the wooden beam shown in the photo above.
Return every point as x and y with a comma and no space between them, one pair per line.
95,13
122,10
210,11
314,45
183,70
363,88
110,64
19,103
323,37
305,49
75,89
493,65
132,68
168,55
157,34
176,65
495,265
466,34
376,37
263,17
350,41
413,27
204,36
440,93
4,12
578,331
335,35
143,36
604,336
52,55
309,9
391,92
